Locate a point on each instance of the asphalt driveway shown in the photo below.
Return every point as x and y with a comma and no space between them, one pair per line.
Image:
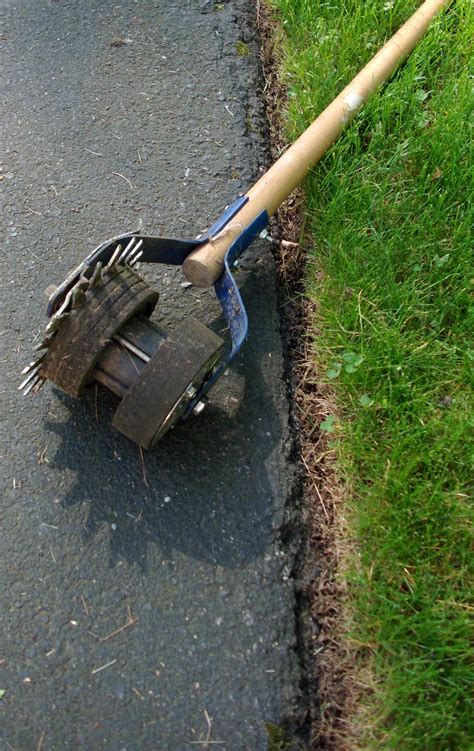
118,115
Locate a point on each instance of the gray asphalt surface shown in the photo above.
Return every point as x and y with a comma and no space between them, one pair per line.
189,540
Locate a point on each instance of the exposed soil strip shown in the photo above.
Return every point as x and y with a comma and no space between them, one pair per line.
330,686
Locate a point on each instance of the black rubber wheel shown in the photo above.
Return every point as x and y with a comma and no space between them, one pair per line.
168,382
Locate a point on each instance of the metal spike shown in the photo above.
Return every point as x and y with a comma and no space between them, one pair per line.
65,305
33,383
28,378
90,276
125,253
78,297
40,384
55,323
129,261
114,258
28,368
32,364
96,276
129,258
43,344
135,253
135,259
82,284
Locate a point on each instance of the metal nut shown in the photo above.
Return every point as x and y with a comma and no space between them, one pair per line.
200,407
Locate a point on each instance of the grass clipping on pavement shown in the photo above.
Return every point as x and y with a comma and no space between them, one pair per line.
389,272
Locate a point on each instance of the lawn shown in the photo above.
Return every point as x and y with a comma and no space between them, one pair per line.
390,267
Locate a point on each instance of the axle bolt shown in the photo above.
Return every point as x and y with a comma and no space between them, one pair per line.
191,392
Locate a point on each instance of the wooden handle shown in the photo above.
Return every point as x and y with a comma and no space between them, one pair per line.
204,265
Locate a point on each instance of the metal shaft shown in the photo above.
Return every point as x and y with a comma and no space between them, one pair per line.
205,265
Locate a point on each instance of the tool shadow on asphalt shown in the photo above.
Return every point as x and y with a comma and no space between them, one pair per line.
209,515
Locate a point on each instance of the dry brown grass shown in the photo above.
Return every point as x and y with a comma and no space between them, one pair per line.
338,668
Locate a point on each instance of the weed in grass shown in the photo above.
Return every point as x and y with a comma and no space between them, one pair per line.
242,49
389,212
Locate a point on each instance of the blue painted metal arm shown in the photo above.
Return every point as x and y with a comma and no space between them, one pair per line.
231,303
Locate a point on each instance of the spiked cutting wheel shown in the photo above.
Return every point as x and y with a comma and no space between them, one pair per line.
101,332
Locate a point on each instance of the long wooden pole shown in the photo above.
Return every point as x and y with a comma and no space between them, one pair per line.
205,265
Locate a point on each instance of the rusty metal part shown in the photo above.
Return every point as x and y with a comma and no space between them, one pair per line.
103,334
79,342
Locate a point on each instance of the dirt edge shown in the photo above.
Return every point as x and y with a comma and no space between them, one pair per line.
334,685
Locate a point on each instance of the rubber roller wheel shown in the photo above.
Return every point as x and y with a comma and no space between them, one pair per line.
168,382
78,344
107,337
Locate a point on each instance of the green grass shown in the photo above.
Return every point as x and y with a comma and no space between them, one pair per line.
388,211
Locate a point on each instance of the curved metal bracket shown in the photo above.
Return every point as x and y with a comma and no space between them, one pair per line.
166,250
231,303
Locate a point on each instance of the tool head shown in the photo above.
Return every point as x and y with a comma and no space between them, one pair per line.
101,332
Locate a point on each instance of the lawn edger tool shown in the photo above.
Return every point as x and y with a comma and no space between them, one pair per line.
99,318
